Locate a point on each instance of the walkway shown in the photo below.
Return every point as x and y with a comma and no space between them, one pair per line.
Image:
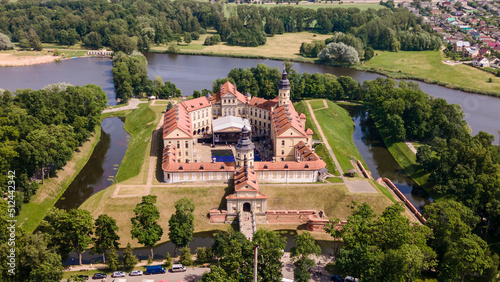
132,104
358,186
246,222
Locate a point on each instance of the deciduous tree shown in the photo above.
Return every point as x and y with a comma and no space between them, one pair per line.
145,227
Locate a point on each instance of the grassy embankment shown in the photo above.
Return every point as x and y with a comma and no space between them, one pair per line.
229,9
338,128
429,67
47,195
301,107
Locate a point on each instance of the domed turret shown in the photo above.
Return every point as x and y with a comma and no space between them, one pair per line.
244,149
284,90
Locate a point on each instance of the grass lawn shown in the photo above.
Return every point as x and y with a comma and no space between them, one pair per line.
330,164
428,65
139,124
317,104
47,195
284,46
122,209
338,128
333,199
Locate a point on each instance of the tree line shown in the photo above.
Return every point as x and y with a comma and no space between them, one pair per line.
262,81
40,130
130,77
123,25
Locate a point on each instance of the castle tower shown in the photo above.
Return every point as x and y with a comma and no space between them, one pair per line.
244,149
284,90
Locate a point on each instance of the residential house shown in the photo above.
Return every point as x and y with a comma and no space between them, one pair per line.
461,45
484,52
481,61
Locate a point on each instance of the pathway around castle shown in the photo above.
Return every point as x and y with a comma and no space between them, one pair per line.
133,104
357,186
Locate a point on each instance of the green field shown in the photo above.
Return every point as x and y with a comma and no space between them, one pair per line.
428,65
338,128
317,104
281,46
47,195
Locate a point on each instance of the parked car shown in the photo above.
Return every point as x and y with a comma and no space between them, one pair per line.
337,279
85,277
135,273
154,269
178,268
118,274
99,276
350,279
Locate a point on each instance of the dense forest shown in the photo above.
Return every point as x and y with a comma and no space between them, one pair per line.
461,166
142,23
40,130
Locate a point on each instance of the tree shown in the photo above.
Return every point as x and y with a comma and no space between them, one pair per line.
203,255
196,94
216,274
339,53
129,259
77,227
234,254
168,260
187,37
5,43
105,235
113,261
36,260
304,245
270,247
93,40
122,43
169,106
369,53
186,257
145,227
467,256
181,223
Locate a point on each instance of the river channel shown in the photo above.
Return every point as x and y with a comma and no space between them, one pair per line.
197,72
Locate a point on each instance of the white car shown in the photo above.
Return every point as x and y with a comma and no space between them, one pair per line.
350,279
118,274
135,273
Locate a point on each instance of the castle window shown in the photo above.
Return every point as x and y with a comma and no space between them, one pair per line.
282,142
282,152
178,145
187,144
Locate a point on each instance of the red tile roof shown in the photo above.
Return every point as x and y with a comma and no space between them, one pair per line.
262,103
309,131
285,117
301,116
196,104
227,88
244,178
177,117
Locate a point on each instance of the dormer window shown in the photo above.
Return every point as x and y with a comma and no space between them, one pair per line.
181,168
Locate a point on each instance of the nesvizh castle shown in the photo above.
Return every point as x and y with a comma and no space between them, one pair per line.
229,120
